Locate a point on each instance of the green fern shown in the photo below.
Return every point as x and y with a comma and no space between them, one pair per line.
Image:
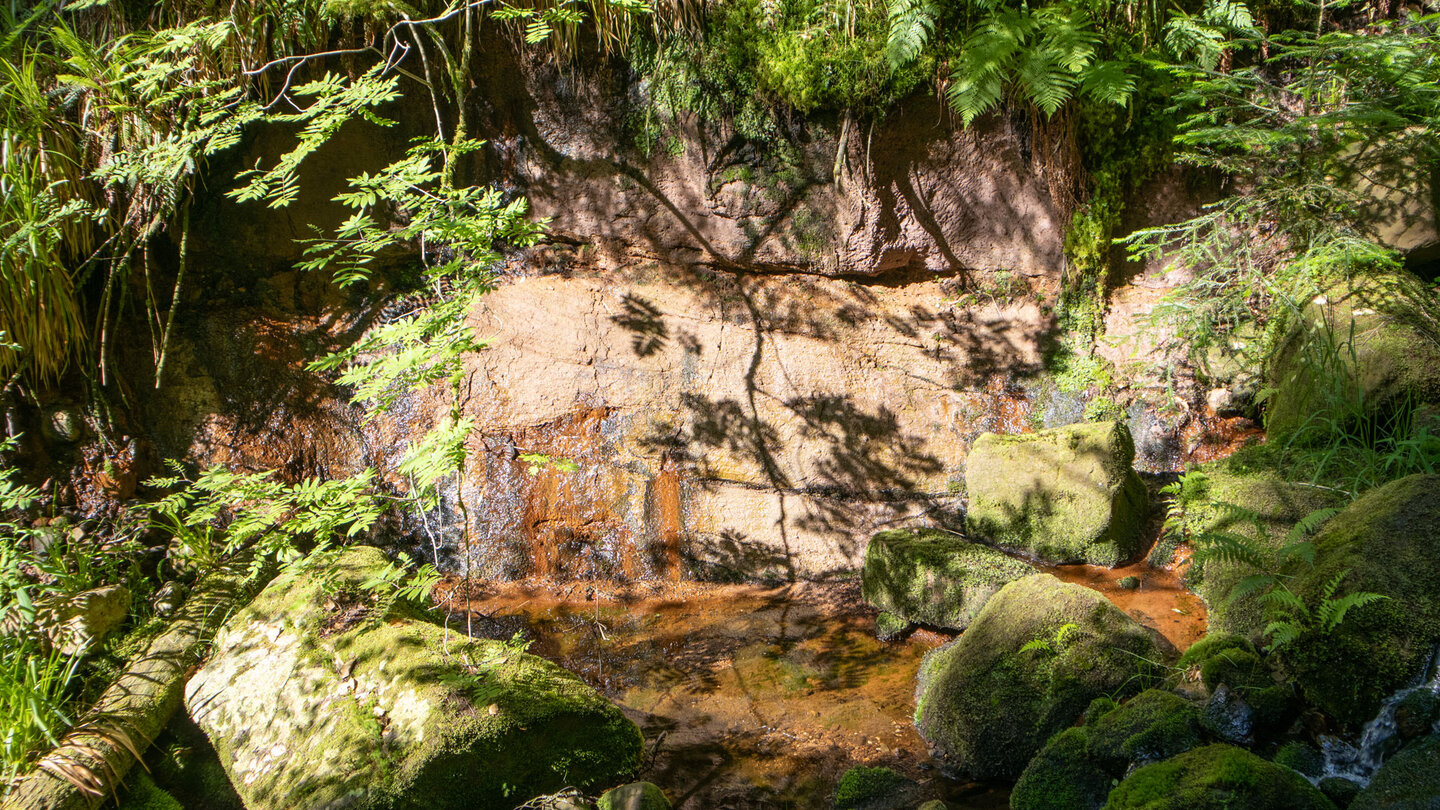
912,22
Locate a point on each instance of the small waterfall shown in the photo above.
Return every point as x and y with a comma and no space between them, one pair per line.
1359,761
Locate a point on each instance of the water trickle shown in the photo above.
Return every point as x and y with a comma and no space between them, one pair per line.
1359,761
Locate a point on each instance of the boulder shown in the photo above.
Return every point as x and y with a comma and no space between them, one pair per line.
1080,765
1385,542
935,578
1410,780
141,793
1216,777
1247,479
863,788
1039,652
1362,348
72,622
634,796
316,697
1066,495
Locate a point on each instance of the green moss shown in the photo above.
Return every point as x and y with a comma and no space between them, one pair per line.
861,786
933,577
889,627
1250,479
1079,766
1384,543
988,707
489,725
1410,780
1301,758
1241,670
1062,776
634,796
1340,790
1067,494
1214,644
141,793
1216,777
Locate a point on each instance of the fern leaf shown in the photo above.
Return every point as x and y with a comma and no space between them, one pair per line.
1332,613
1250,585
1282,633
1310,524
1107,82
911,24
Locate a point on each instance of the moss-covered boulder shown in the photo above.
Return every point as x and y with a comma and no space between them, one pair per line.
1387,542
1066,494
1364,348
935,578
311,700
1410,780
141,793
1080,765
1249,479
1039,652
1216,777
634,796
865,788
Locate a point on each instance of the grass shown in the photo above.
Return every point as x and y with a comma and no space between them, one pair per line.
35,692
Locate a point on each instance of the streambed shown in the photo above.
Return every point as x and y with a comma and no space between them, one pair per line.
755,696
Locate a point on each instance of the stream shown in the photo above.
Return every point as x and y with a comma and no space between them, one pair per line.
755,696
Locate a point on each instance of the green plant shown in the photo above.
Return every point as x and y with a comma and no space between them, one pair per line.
1288,615
35,697
1054,644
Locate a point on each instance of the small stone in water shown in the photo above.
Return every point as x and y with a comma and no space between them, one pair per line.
1129,583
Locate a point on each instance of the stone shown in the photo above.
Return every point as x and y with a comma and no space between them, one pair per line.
1078,767
64,424
1382,543
1216,777
1228,716
290,694
1301,758
986,704
866,788
1410,780
1359,345
1066,495
1340,790
1131,583
76,622
1416,714
934,578
141,793
634,796
1221,402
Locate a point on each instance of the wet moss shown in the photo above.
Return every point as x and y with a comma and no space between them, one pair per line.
889,627
141,793
861,786
1410,780
988,706
1384,543
1079,766
1216,777
634,796
934,578
1066,494
1301,758
1340,790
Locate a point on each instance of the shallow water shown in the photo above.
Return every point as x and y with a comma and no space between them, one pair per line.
757,697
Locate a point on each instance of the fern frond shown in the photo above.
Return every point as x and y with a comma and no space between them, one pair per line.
1310,524
1332,612
1282,633
1250,585
911,24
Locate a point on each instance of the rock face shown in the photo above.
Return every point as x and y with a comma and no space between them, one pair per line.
987,705
311,704
1216,777
1362,349
1066,494
1385,542
932,577
1078,767
1410,780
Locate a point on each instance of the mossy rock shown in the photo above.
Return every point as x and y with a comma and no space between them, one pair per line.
141,793
1416,713
1410,780
1248,479
1301,758
1079,766
1385,542
634,796
309,704
1216,777
987,705
864,788
935,578
1340,790
1363,347
1067,494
